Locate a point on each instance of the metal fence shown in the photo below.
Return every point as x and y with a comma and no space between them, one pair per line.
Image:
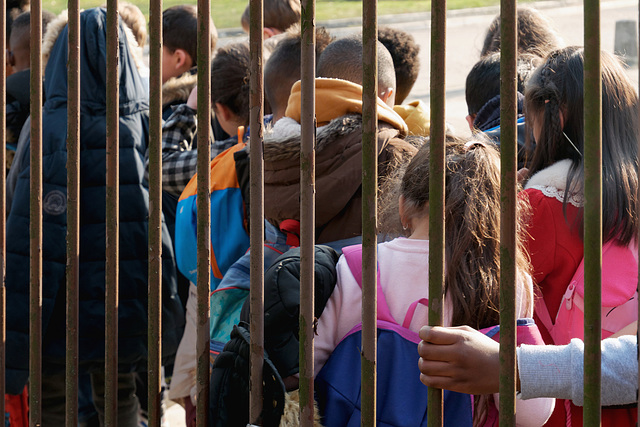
593,210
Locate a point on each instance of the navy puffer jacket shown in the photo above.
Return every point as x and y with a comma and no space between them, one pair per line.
134,210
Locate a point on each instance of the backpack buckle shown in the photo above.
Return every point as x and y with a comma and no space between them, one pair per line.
568,295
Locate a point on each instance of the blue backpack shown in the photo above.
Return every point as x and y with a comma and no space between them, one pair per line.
401,397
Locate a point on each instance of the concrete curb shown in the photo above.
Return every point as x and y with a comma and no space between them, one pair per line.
416,17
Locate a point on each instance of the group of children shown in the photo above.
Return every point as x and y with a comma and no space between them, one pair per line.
549,224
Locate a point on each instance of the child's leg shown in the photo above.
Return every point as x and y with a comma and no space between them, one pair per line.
128,404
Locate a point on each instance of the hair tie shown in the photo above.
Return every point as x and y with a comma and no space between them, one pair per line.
473,144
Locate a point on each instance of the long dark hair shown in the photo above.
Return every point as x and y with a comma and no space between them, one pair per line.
472,226
556,87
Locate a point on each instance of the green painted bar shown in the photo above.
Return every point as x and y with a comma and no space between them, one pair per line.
112,220
307,211
436,185
508,195
256,220
73,214
154,368
592,212
35,227
204,213
369,209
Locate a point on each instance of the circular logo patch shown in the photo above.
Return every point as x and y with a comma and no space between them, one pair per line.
55,202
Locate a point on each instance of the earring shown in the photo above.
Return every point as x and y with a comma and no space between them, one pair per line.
405,227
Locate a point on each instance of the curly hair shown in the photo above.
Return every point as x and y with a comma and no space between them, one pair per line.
404,51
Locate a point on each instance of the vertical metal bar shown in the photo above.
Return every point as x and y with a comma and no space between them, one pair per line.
638,213
3,195
35,305
436,185
73,214
369,209
307,211
592,211
204,212
155,215
256,156
112,218
508,150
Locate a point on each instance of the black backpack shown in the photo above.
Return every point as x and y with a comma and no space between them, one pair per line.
229,398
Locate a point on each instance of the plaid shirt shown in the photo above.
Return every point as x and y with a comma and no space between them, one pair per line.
179,149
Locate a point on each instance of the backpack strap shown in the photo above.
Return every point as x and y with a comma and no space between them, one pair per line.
412,309
353,256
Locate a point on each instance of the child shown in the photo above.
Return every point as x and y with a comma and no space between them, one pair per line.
535,34
482,94
18,83
554,105
133,256
279,16
472,253
282,69
406,64
230,100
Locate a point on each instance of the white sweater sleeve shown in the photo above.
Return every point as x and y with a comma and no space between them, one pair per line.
558,371
535,412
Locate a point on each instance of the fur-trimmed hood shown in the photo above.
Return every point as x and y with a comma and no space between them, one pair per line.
56,26
178,89
338,172
283,140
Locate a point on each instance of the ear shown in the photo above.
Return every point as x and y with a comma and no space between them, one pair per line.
388,96
183,60
470,119
268,32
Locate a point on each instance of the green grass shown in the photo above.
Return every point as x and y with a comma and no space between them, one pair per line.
226,13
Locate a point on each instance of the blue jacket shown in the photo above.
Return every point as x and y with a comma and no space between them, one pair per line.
134,210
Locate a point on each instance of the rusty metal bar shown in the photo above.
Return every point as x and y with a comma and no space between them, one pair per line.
112,250
508,182
204,212
73,214
436,185
307,211
256,196
592,212
35,305
3,197
154,369
369,209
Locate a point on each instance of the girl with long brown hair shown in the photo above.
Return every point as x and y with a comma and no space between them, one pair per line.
472,257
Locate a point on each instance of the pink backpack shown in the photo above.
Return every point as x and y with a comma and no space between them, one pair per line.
619,296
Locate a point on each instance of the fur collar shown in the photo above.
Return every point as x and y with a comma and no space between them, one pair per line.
56,26
283,140
553,176
178,88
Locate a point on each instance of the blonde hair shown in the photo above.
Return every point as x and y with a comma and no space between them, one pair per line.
135,20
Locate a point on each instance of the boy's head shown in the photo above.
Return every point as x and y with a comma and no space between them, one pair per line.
483,81
279,15
19,48
404,52
535,34
342,59
180,40
282,69
135,20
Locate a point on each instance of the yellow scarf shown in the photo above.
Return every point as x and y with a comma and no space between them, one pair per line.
335,98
